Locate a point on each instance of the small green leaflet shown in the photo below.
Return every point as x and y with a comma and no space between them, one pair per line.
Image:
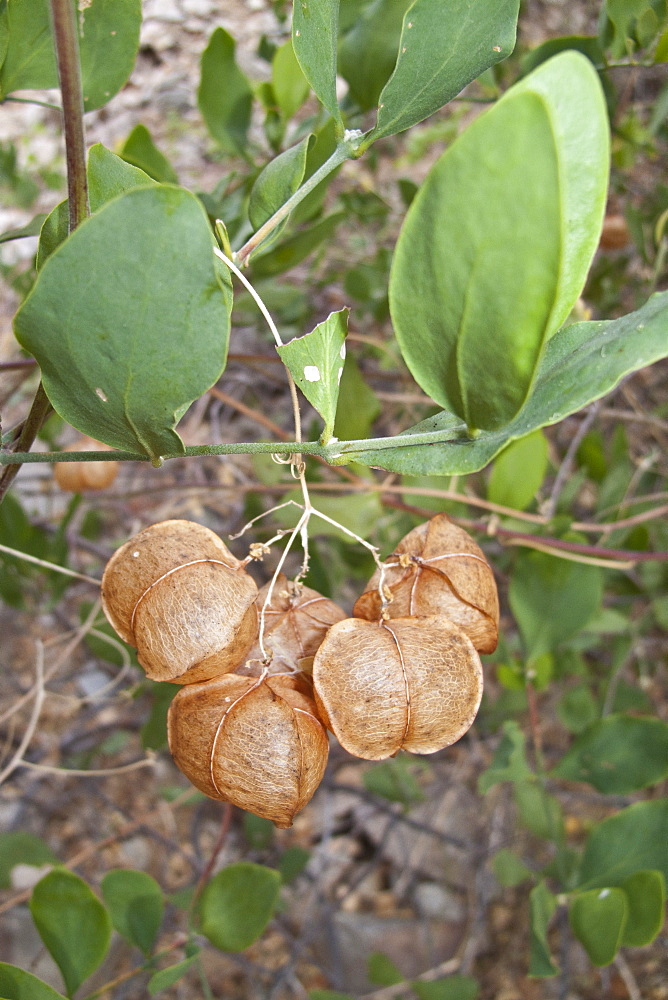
315,362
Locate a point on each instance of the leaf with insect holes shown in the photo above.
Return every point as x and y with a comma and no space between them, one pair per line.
315,362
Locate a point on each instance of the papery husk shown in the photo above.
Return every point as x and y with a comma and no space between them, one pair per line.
408,683
178,595
296,622
257,743
444,573
76,477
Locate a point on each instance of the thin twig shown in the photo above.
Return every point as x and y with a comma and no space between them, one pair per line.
566,467
16,760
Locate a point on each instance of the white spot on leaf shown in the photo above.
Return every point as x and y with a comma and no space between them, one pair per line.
101,395
338,377
496,48
342,352
312,373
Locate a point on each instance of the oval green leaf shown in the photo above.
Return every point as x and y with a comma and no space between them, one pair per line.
108,44
136,905
290,86
618,754
315,26
224,96
124,363
482,270
597,919
636,839
22,849
237,904
73,924
276,183
518,472
15,984
646,899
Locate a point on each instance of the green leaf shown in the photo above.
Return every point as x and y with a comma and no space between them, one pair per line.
294,250
395,780
140,150
519,471
509,763
22,849
15,984
577,709
442,48
508,869
136,905
225,96
618,754
368,52
154,731
73,924
448,988
582,363
275,183
381,970
552,599
597,919
31,228
165,978
328,995
237,904
290,86
646,898
124,364
292,863
636,839
476,289
108,44
314,37
542,906
538,811
358,404
108,177
315,362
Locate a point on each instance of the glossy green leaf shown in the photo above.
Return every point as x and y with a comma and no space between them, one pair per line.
509,763
124,364
140,150
225,95
295,249
508,869
645,893
165,978
477,287
275,183
582,363
290,86
136,905
108,44
315,26
618,754
22,849
447,988
597,919
368,52
542,906
442,48
518,472
73,924
381,970
315,362
237,904
552,599
15,984
108,177
635,839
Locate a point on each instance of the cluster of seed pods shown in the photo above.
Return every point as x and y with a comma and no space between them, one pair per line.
249,724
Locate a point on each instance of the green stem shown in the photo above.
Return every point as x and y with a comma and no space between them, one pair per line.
347,149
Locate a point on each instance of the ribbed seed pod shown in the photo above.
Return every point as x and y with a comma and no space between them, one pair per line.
296,621
75,477
440,571
257,743
178,595
408,683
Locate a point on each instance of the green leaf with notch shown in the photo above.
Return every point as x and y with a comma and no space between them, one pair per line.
225,95
315,362
582,363
16,984
618,754
542,905
136,905
635,839
597,919
490,258
73,924
124,364
315,25
237,904
108,45
646,899
442,48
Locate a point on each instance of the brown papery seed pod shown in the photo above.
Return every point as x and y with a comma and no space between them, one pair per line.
296,621
439,570
257,743
409,683
76,477
178,595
